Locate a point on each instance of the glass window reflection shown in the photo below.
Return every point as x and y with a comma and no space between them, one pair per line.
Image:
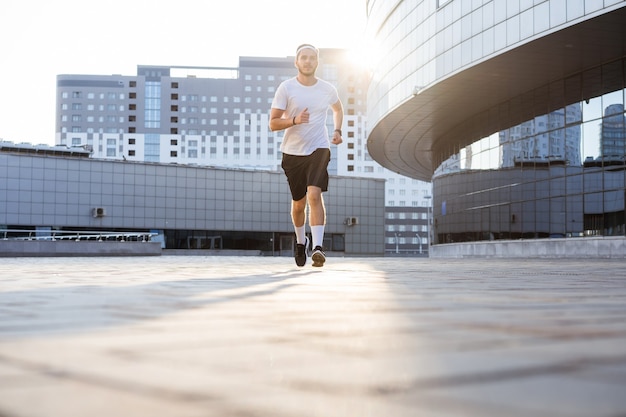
564,176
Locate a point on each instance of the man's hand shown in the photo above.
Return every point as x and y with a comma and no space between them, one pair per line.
303,117
336,140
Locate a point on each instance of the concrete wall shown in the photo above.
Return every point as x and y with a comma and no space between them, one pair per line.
601,247
33,248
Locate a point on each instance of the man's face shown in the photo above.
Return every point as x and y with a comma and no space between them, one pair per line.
306,62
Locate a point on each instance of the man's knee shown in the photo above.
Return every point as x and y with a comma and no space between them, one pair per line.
298,205
314,195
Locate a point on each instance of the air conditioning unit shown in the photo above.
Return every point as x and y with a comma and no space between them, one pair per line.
351,221
98,212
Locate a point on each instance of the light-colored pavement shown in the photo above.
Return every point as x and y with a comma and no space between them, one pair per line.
256,336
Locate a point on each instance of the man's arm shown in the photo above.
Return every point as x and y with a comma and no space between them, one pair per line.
277,122
337,109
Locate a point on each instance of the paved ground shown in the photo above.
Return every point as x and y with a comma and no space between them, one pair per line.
256,336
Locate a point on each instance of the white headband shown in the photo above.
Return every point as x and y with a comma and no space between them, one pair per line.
311,47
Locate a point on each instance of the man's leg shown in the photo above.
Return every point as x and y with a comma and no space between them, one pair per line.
317,220
317,211
298,217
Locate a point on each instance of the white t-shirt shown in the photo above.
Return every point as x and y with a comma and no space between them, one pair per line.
293,97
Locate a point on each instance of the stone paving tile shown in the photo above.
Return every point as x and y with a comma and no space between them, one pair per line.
204,336
550,395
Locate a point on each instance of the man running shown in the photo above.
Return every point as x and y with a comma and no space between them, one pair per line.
300,107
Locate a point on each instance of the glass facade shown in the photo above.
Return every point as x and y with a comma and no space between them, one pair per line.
418,43
514,109
562,174
153,105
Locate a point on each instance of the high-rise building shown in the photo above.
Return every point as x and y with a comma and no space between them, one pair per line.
202,115
613,132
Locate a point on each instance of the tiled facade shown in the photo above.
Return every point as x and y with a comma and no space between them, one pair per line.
247,209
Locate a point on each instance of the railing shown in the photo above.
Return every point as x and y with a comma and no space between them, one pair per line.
54,235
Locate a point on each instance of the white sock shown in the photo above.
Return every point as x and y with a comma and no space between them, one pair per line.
300,234
317,232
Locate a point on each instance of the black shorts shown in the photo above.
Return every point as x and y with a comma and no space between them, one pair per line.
302,171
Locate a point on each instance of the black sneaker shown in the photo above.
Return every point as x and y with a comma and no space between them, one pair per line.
318,257
301,252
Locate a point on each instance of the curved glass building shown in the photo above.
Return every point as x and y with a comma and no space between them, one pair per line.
514,109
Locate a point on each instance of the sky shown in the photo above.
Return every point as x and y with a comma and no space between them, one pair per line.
42,39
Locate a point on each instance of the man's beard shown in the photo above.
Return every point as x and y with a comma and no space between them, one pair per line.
307,72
